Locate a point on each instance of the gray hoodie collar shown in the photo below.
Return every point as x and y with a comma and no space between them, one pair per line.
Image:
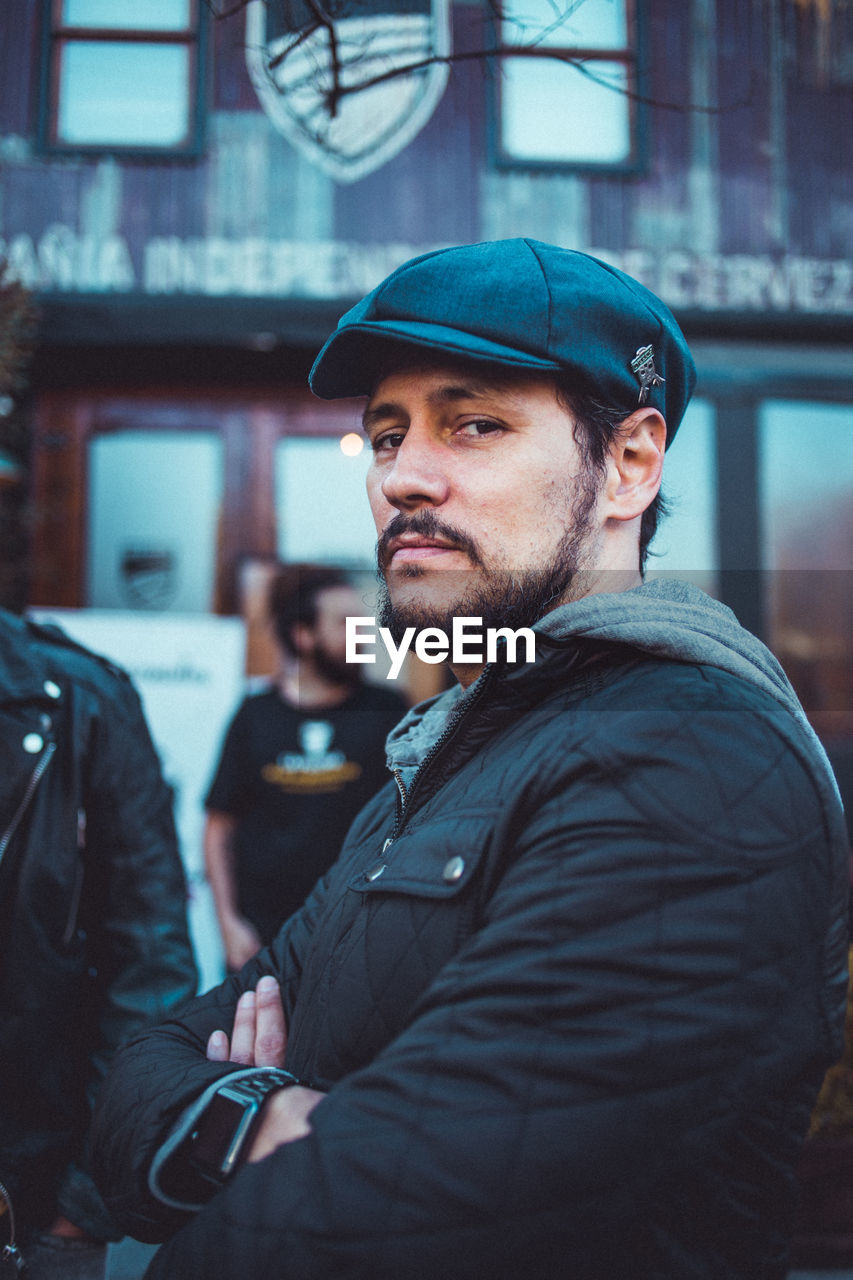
673,619
409,742
668,618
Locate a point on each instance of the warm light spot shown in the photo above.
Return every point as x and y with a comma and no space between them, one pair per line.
351,444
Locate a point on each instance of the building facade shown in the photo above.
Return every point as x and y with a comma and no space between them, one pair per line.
195,194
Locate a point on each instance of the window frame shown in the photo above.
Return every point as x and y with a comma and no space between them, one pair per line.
56,35
632,56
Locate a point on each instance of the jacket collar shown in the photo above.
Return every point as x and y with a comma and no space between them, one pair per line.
24,671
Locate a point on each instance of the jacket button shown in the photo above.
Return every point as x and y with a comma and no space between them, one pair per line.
453,869
33,743
376,872
52,689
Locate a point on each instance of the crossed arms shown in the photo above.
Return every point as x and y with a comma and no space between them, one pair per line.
552,1079
259,1039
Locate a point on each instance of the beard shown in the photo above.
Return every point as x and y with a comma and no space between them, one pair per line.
334,669
500,597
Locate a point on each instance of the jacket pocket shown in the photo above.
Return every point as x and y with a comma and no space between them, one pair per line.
438,859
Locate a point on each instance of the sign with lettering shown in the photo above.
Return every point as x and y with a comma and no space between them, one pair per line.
61,261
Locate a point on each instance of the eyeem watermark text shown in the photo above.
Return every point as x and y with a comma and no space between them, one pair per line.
468,643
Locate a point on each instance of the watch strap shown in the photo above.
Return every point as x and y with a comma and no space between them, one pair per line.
172,1179
221,1132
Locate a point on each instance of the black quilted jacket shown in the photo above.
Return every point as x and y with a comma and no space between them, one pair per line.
573,1029
93,932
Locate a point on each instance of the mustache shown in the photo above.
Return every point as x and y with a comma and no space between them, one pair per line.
426,524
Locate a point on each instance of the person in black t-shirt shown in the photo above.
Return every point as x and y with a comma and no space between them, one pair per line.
298,762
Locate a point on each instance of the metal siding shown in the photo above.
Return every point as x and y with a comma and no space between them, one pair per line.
745,130
767,175
820,159
429,193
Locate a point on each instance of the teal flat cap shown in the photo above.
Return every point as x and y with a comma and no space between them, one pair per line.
522,304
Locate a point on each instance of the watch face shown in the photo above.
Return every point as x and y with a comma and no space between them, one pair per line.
218,1126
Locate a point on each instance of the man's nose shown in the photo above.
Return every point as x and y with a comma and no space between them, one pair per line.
418,477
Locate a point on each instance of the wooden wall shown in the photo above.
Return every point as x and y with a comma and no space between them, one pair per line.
745,209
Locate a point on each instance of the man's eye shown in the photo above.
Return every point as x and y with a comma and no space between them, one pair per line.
479,427
390,440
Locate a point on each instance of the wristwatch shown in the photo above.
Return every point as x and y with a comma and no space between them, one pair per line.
222,1131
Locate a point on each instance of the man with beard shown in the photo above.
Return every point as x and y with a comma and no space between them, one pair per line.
562,1005
298,762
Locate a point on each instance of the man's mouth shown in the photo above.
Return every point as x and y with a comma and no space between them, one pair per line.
418,548
413,544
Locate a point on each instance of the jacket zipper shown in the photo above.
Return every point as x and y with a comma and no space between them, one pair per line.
43,761
402,798
77,890
405,801
11,1252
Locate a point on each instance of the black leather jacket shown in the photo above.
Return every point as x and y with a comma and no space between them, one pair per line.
571,1002
93,933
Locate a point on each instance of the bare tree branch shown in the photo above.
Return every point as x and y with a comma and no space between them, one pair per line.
336,90
498,52
301,36
581,60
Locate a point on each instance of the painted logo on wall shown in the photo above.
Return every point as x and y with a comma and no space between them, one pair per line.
349,83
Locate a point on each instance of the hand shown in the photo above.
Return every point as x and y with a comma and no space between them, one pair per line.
68,1230
259,1039
284,1118
259,1035
241,941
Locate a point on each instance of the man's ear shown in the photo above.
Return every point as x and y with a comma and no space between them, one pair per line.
302,638
635,465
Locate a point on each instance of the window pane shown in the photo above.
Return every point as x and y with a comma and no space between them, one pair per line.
806,485
686,542
141,15
152,537
806,458
550,111
124,94
337,526
582,24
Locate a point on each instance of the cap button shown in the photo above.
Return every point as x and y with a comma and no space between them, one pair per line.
454,869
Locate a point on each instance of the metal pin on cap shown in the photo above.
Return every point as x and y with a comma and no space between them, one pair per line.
643,369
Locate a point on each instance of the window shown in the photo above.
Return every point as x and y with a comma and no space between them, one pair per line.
806,477
121,75
567,98
152,537
685,545
306,467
